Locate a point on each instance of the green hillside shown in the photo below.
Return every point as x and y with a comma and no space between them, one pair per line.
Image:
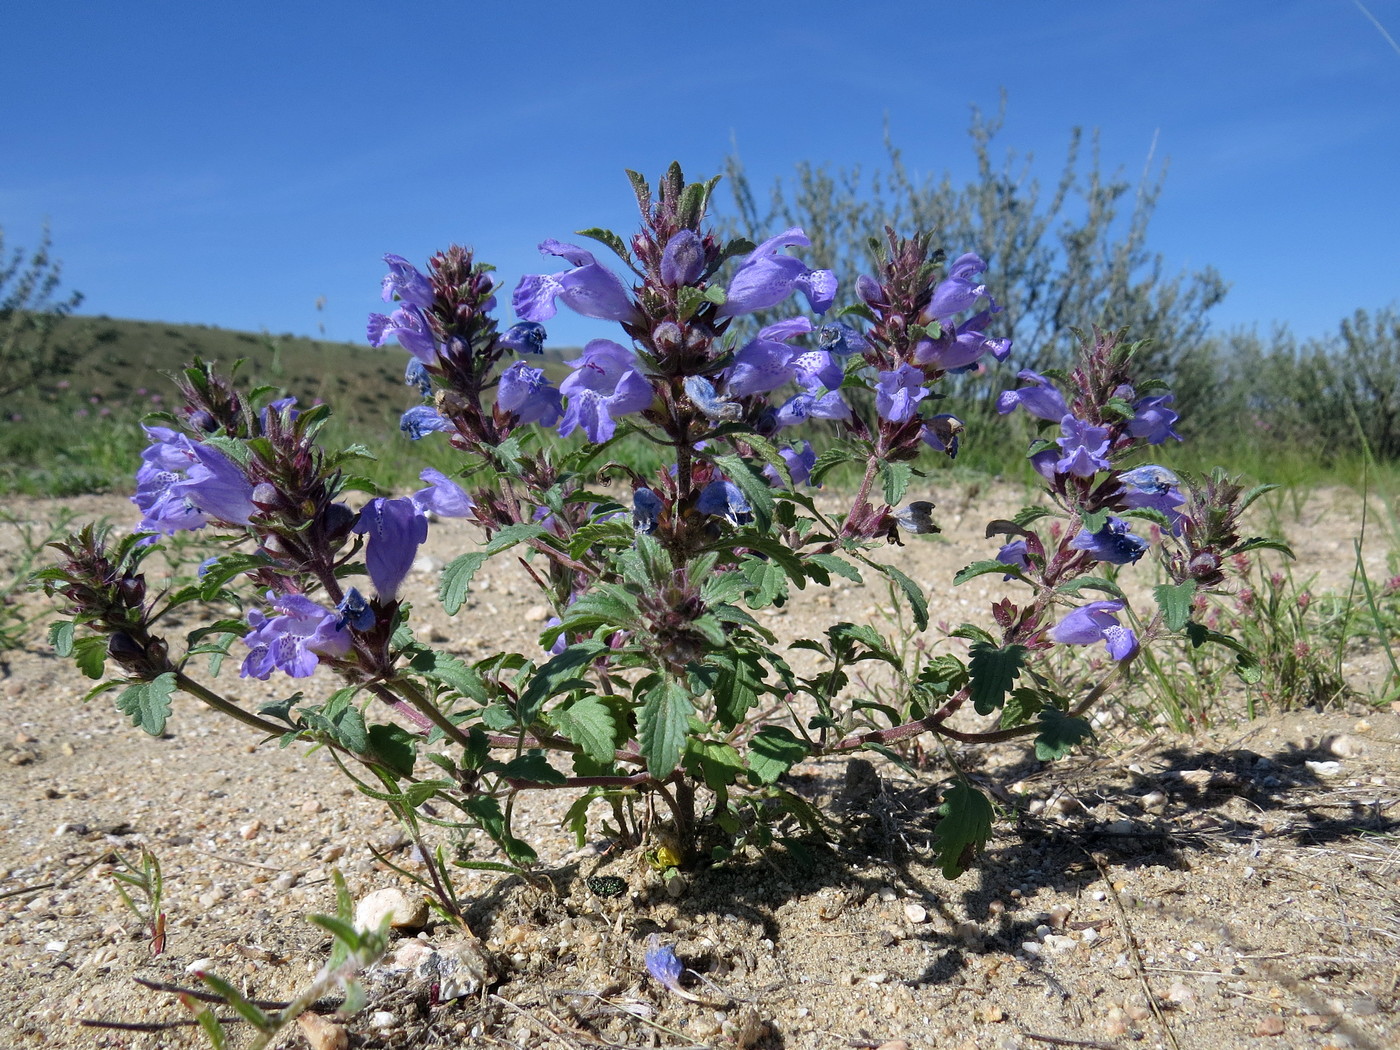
80,432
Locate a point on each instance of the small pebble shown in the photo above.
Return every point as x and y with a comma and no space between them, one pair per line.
249,831
916,913
1269,1024
1324,769
323,1034
403,912
536,614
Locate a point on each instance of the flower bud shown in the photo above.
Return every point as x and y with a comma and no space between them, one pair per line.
667,337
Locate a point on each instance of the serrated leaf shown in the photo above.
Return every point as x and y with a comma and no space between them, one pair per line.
1255,543
1175,603
1093,521
837,566
843,634
148,703
90,655
964,828
605,605
1093,583
555,676
767,583
663,722
1059,734
61,637
393,746
982,568
588,722
772,752
617,533
457,577
447,670
918,605
612,240
993,672
1026,515
1021,706
895,478
717,764
532,766
737,685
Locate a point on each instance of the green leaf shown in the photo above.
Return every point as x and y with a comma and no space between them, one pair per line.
589,723
61,637
148,703
90,655
393,746
532,766
845,636
1093,583
556,675
752,484
993,671
447,670
837,566
918,605
612,240
604,605
615,533
772,752
663,723
1021,706
767,582
1059,734
456,577
1246,663
737,686
718,764
230,994
1255,543
895,477
835,456
1175,603
982,568
1093,521
965,827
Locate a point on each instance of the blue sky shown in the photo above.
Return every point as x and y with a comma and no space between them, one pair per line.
233,164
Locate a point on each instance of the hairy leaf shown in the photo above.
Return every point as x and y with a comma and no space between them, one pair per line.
148,703
964,828
994,672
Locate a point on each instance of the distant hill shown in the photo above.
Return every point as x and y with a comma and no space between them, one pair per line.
362,384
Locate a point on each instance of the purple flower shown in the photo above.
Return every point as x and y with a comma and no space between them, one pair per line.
1155,487
408,325
943,433
526,393
1015,554
1114,543
525,337
800,460
182,484
663,965
354,612
723,499
605,384
841,339
588,289
1153,421
421,420
766,361
443,496
916,518
416,375
898,393
1040,399
294,640
683,259
702,395
1095,622
395,528
956,292
767,276
404,282
1084,448
646,510
800,407
961,346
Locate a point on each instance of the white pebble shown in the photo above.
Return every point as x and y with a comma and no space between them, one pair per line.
402,911
1324,769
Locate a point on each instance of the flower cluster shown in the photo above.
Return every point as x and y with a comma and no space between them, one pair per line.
652,674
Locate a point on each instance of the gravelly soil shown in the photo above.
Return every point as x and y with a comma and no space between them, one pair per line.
1237,887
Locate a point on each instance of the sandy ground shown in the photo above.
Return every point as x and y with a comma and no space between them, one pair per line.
1233,888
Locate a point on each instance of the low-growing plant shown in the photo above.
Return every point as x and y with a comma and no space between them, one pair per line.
655,688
